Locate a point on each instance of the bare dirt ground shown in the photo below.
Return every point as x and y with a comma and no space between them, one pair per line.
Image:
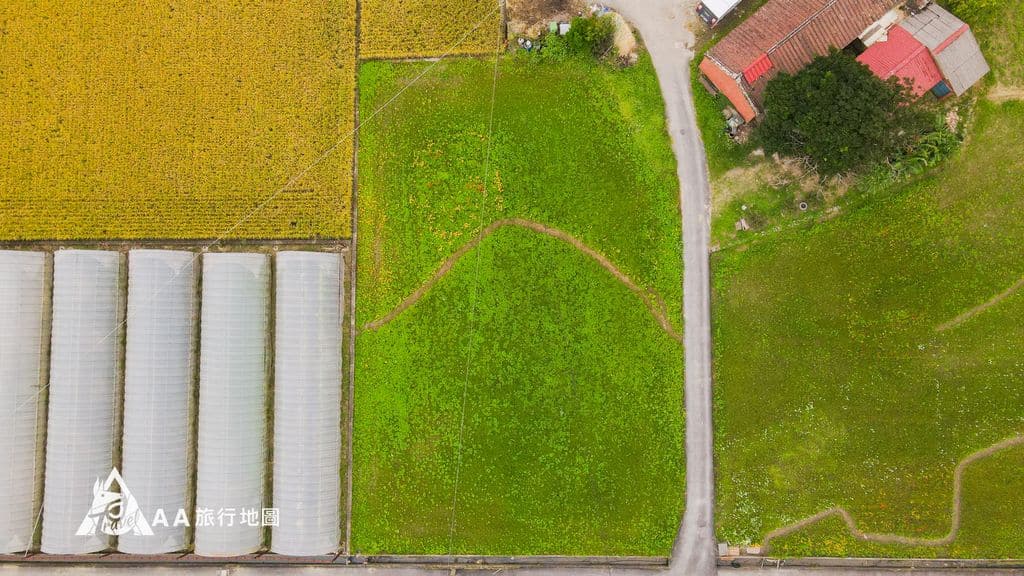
775,173
530,17
1003,93
654,303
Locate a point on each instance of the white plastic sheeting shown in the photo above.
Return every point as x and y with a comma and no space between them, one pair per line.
83,379
158,375
232,403
22,309
307,403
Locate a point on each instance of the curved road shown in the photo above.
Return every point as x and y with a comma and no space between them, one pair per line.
662,23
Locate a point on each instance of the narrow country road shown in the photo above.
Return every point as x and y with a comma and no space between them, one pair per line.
662,24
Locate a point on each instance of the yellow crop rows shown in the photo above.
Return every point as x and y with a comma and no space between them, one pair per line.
423,28
175,119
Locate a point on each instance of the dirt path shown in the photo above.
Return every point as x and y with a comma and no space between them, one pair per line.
654,303
979,309
851,524
1002,93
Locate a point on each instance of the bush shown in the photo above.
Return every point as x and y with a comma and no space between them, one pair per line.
589,37
970,8
927,152
838,115
593,35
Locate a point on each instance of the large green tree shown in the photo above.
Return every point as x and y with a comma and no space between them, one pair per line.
838,115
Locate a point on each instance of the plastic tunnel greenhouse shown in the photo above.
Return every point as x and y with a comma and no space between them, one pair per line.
307,403
83,377
157,385
22,310
232,403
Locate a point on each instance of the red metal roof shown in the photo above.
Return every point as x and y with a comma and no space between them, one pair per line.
757,69
903,56
793,32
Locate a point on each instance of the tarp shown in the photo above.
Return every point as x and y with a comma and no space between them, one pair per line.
307,403
83,379
232,403
157,384
22,291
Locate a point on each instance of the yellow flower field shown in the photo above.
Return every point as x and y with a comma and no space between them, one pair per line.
423,28
175,119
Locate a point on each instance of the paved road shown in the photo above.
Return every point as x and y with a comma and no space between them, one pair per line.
662,25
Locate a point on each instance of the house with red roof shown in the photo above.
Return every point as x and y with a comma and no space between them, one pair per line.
924,45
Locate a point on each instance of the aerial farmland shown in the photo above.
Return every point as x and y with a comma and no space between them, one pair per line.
175,121
544,286
202,166
497,276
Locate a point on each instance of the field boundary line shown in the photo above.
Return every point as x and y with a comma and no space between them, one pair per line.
348,391
851,524
994,301
654,303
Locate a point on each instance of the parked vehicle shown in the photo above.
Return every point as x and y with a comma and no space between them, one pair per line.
712,11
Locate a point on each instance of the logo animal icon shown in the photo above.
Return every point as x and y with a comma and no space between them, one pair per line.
113,513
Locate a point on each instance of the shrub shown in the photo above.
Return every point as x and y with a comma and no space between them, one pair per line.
593,35
971,8
927,152
589,37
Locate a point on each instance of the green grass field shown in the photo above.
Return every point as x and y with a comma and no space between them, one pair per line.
835,385
571,441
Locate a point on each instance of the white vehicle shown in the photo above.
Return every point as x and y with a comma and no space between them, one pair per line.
712,11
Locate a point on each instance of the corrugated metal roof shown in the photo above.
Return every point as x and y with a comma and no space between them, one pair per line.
932,26
962,63
903,56
952,43
757,69
793,32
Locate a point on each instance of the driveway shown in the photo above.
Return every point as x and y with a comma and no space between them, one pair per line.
662,25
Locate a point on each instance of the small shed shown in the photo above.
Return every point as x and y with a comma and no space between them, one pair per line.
951,43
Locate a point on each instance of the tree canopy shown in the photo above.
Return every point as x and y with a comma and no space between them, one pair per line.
838,115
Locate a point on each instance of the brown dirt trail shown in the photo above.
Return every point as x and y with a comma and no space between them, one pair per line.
851,524
981,308
654,303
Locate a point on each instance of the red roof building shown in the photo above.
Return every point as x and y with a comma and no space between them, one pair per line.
784,35
903,56
929,47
